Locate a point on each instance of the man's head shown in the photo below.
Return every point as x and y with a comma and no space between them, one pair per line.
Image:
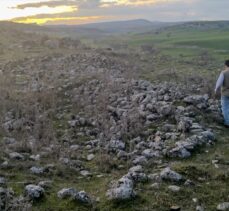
227,63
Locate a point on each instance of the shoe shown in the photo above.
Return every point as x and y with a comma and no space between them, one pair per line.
226,126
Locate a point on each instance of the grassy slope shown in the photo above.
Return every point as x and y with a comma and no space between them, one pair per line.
12,37
211,182
182,52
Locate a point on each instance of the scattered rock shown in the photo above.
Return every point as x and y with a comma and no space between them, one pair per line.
72,193
4,196
90,157
35,157
45,184
37,170
155,185
2,182
85,173
34,192
174,188
67,193
199,208
136,174
168,174
121,190
223,206
83,197
140,160
179,152
189,183
175,208
116,145
16,156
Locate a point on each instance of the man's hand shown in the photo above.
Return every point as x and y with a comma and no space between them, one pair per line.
216,95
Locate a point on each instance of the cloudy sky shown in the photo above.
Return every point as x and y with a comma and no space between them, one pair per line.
86,11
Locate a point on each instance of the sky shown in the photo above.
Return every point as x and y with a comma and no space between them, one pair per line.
88,11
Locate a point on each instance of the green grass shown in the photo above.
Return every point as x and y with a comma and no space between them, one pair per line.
181,53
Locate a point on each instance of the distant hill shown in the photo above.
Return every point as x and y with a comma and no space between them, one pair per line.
11,26
115,27
189,28
122,26
98,30
75,32
203,25
11,33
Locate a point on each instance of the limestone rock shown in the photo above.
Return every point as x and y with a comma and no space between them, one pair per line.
83,197
121,190
34,192
223,206
16,156
174,188
168,174
67,193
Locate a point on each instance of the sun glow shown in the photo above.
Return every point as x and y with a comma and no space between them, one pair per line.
65,20
8,12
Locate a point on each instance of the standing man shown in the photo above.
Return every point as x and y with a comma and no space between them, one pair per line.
223,83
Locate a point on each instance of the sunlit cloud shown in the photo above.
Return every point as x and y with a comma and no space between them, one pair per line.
57,20
8,12
84,11
106,3
54,3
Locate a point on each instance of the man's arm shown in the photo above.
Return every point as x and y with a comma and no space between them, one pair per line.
219,82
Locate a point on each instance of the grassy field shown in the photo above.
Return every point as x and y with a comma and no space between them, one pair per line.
179,43
186,51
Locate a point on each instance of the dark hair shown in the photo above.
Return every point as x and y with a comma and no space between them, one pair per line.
227,63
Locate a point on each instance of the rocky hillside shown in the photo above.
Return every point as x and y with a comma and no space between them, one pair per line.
81,131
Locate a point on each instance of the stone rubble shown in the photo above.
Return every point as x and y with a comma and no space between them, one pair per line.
132,121
72,193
